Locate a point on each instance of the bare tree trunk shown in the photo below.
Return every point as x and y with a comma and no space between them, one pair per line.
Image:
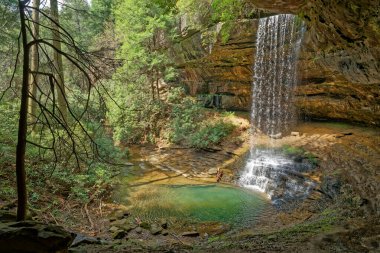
62,105
33,78
22,125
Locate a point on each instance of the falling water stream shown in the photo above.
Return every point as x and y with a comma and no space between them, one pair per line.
277,47
268,170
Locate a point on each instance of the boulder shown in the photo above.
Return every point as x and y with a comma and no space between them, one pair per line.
33,237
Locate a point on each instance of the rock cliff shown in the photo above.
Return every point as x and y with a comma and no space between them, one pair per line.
338,66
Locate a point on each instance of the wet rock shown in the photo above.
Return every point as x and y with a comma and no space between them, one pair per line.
331,187
190,234
30,236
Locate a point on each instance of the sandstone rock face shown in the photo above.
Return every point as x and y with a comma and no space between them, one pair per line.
220,67
345,37
340,77
339,65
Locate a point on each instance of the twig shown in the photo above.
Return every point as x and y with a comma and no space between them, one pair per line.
88,216
56,222
176,237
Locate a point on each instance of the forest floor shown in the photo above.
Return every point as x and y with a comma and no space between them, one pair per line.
340,215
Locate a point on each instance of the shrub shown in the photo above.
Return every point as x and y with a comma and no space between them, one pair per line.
135,117
185,120
210,135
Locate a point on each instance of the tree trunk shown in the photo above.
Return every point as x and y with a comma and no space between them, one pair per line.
33,78
58,61
22,126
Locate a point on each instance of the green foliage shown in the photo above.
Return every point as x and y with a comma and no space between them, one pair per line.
75,18
300,152
185,119
58,175
226,11
190,125
138,114
202,14
179,119
94,181
143,36
101,11
135,116
196,13
176,95
210,135
9,31
292,150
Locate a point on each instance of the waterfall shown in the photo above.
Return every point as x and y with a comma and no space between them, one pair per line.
275,76
277,47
